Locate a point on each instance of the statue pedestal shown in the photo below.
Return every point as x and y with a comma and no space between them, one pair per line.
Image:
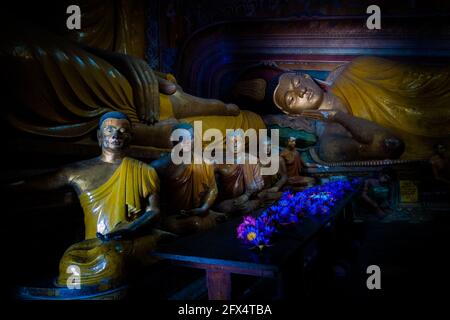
59,293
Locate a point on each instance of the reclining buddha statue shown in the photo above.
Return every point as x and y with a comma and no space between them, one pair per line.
370,108
60,85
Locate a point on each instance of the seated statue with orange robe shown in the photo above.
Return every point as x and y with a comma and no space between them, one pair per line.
294,164
273,184
188,190
238,181
119,198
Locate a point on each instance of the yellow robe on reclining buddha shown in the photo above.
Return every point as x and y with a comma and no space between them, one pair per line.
413,101
119,200
61,90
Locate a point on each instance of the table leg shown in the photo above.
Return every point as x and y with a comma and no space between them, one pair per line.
219,284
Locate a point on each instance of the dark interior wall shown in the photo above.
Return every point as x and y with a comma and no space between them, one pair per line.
172,22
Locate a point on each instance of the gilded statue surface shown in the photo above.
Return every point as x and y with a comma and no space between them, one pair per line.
59,84
372,108
120,200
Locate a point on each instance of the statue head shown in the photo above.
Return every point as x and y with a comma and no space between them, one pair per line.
267,145
291,143
237,139
114,132
385,176
296,92
439,149
186,136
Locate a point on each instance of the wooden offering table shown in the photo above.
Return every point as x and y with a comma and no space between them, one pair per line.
220,253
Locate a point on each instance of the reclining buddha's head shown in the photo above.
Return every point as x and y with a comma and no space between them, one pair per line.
297,92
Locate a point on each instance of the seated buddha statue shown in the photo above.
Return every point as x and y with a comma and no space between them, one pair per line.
294,164
288,176
440,165
188,190
119,197
273,184
239,180
376,193
370,108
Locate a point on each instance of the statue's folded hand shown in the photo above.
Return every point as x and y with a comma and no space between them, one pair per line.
249,206
120,234
195,212
240,200
273,189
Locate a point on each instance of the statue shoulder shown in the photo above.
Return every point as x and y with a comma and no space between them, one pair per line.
162,163
80,171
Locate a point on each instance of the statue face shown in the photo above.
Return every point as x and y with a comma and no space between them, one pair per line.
291,143
297,92
115,134
238,142
440,149
187,140
384,179
267,146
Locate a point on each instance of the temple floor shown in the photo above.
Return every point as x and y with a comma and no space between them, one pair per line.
410,247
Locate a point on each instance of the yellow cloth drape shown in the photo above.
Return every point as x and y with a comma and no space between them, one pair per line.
62,88
413,101
65,89
117,25
120,198
245,120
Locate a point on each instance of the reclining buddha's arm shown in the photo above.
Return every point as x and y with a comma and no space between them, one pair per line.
373,140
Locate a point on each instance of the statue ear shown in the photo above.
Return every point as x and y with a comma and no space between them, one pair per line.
99,137
325,85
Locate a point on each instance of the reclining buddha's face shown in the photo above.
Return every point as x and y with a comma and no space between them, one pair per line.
297,92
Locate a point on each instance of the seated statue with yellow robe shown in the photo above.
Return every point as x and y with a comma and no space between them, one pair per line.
188,190
119,198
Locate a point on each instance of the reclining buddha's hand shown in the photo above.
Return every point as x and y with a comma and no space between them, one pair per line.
146,84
